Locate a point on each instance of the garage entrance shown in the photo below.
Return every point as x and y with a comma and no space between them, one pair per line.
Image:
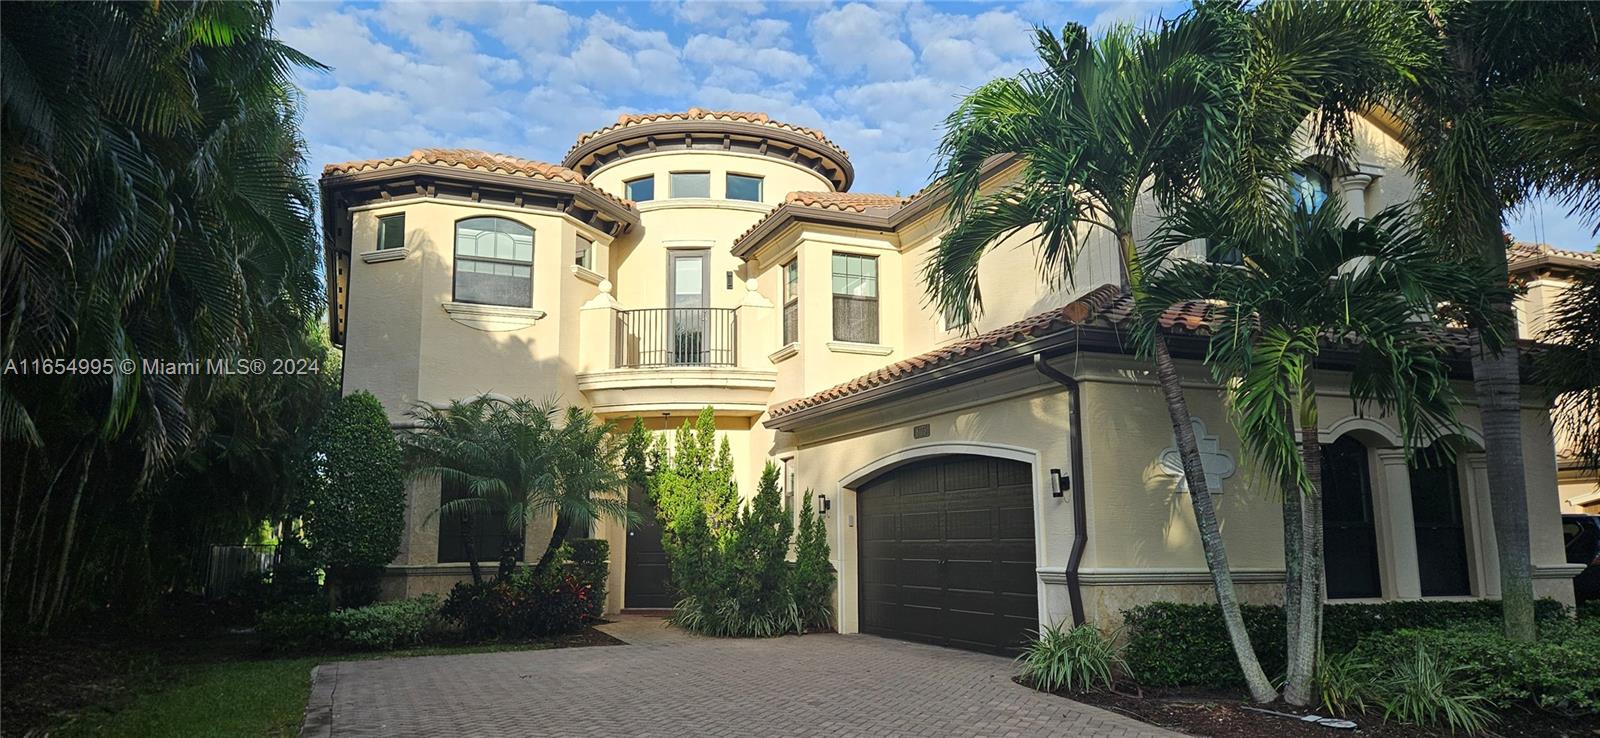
947,553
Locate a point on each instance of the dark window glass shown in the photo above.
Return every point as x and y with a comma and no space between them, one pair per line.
691,184
392,231
485,528
642,189
494,262
744,187
1349,538
855,298
1441,529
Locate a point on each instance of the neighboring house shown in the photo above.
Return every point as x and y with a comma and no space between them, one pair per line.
678,261
1546,273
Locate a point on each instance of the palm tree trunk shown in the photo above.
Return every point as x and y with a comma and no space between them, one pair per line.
471,549
1305,643
1205,515
1498,386
558,536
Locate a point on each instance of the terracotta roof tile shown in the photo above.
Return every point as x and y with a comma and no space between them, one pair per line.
474,159
629,120
855,202
1521,251
1107,306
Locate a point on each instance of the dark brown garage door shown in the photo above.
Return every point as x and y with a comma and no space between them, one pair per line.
947,553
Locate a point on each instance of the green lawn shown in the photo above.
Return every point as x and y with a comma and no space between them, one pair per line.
234,699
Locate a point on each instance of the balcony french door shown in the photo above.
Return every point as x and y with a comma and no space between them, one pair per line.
689,288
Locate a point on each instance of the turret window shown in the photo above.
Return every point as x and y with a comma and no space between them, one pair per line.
642,189
744,187
691,184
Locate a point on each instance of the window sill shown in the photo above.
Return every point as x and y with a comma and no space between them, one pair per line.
703,202
851,347
788,350
382,255
492,318
588,275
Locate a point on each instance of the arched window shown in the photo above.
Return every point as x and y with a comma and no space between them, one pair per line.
1349,536
1309,187
1441,526
494,262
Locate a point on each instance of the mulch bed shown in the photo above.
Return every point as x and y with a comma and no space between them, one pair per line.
1222,715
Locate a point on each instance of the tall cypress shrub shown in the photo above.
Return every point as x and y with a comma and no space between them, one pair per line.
762,601
813,579
355,496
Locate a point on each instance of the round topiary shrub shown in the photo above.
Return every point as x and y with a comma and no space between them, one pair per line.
355,495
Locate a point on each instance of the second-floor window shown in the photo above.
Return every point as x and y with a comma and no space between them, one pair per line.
494,262
855,298
791,302
642,189
744,187
691,184
392,231
584,256
1309,187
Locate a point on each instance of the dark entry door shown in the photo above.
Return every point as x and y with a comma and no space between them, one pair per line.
647,584
946,552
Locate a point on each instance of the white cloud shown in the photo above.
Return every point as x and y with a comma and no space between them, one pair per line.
860,37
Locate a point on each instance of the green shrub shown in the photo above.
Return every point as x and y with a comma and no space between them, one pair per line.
354,504
1180,645
1345,682
745,588
388,625
588,561
1423,689
1079,659
521,607
306,626
1560,672
813,574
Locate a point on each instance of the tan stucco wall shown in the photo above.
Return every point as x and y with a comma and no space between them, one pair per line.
1143,542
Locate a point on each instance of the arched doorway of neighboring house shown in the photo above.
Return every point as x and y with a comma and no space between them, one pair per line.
946,552
1349,530
1441,524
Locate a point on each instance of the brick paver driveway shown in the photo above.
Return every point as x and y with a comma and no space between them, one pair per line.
668,683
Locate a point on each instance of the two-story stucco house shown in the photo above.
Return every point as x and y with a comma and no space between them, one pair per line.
977,480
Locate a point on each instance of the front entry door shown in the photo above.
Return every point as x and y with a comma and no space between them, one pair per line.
647,584
688,285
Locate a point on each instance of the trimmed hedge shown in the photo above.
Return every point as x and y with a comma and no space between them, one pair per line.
1178,645
1561,672
388,625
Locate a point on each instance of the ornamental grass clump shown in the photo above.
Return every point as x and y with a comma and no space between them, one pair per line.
1080,659
1424,690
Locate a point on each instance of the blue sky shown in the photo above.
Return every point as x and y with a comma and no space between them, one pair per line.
526,79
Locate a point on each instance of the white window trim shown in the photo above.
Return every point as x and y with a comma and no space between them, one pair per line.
378,256
851,347
784,352
492,318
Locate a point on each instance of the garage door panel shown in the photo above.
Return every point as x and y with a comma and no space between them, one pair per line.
954,536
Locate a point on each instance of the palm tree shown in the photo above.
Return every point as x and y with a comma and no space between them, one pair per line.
1477,150
1159,114
589,478
1369,287
1570,367
156,206
1101,121
514,461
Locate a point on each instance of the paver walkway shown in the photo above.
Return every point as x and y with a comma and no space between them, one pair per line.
668,683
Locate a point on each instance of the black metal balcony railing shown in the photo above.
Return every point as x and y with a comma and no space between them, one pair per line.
677,337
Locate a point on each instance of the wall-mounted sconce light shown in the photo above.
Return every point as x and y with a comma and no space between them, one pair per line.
1059,484
823,504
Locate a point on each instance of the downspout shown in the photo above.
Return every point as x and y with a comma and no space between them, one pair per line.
1080,504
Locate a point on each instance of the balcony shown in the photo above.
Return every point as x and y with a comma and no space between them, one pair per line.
660,337
674,361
